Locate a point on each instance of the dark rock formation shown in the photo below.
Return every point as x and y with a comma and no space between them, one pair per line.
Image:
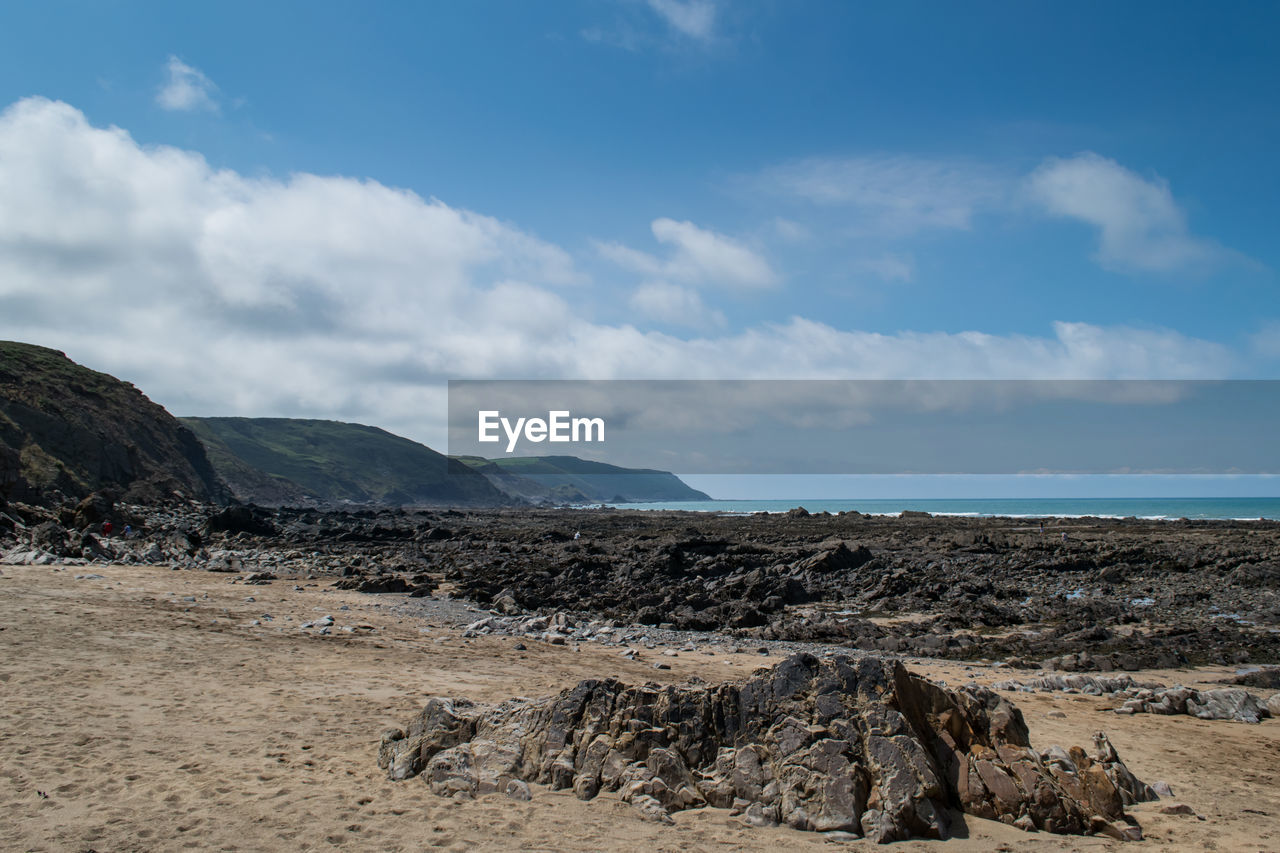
1118,595
857,745
417,585
241,519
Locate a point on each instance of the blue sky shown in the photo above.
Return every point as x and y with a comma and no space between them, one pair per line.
326,210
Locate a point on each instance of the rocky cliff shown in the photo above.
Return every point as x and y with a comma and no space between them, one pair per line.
66,428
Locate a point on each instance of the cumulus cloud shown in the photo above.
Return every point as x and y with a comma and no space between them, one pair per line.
187,89
1140,225
673,305
695,19
698,256
890,194
342,298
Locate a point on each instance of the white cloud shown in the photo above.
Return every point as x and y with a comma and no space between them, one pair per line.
1266,341
790,231
891,194
187,89
889,267
698,256
695,19
341,298
673,305
1141,227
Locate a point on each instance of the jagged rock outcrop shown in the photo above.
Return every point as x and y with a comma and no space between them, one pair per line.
857,745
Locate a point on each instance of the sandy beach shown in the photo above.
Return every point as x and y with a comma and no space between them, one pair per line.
143,710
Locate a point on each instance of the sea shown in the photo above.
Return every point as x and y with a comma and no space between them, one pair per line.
1146,508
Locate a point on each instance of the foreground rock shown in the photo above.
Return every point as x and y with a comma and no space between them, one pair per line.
856,745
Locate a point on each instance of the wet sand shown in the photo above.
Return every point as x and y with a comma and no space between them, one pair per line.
133,719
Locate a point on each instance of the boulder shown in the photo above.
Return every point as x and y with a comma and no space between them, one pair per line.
1231,703
93,510
241,519
51,537
847,744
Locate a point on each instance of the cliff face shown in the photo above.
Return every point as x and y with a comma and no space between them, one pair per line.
66,428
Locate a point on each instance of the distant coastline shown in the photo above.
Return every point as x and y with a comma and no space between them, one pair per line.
1145,508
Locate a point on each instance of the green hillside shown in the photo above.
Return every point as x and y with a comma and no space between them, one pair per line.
573,480
279,461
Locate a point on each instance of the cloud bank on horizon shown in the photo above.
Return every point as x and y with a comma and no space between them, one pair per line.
320,296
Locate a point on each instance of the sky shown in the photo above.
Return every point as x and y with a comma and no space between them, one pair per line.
330,209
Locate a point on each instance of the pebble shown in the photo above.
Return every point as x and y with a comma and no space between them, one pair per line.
518,789
1177,808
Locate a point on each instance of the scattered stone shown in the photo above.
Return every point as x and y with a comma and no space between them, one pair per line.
1230,703
1177,808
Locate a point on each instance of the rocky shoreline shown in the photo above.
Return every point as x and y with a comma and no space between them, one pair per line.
1066,594
646,610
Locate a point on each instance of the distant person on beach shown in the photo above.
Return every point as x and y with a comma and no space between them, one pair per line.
106,528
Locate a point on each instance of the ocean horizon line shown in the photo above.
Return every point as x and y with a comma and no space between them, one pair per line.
1149,509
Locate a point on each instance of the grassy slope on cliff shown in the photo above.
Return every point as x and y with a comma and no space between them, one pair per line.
287,460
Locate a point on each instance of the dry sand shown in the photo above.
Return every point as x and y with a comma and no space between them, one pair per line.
131,719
